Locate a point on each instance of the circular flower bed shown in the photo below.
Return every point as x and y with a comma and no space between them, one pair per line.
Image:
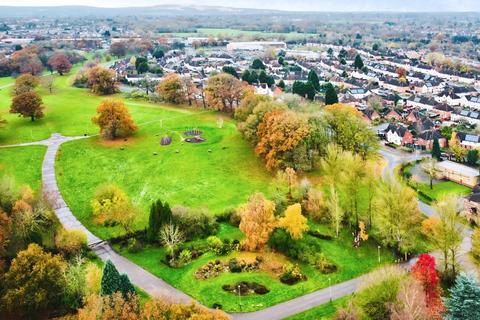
193,132
196,139
166,141
245,288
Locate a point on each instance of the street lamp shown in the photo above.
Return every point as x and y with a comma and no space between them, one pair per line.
330,287
239,298
378,254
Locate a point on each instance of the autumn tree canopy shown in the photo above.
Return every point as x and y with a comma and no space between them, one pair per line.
34,282
25,83
173,89
224,92
114,119
60,63
101,81
257,221
279,133
27,60
293,221
28,105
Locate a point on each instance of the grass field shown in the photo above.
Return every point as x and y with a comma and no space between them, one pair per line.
24,164
218,174
205,32
441,189
351,263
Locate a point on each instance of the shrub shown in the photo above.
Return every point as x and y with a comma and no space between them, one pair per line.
378,291
292,274
319,235
306,250
134,245
185,256
71,242
214,243
194,223
245,288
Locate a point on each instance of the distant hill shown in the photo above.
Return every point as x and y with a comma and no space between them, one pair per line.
160,10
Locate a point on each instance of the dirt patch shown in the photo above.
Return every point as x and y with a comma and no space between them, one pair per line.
121,142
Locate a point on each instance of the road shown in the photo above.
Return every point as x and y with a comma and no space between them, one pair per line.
394,159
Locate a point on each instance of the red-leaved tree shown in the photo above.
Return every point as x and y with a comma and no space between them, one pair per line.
425,272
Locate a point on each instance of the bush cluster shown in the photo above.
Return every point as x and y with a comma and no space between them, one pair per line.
194,223
305,250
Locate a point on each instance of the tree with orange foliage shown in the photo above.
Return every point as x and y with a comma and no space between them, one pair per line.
60,63
401,72
171,89
279,133
5,231
114,119
28,105
424,271
27,61
224,92
293,221
257,221
101,81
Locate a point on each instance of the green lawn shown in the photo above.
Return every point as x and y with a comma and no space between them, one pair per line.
24,164
324,312
220,173
351,263
441,189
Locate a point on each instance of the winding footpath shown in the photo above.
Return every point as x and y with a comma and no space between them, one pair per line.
153,285
156,287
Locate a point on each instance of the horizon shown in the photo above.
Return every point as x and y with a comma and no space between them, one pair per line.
344,6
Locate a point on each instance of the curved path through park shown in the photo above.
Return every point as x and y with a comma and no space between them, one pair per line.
156,287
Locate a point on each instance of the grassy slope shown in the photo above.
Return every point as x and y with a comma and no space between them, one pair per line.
351,263
23,164
324,312
219,173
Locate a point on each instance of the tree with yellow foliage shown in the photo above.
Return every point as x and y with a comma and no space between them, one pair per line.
293,221
257,221
171,89
114,119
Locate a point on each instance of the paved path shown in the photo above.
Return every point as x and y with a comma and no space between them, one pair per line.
303,303
153,285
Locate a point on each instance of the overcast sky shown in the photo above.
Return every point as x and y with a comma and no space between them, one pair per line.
304,5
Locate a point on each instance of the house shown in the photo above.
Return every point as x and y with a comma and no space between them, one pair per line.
398,135
392,114
370,115
426,139
471,102
444,111
358,93
413,116
472,117
468,140
458,173
471,206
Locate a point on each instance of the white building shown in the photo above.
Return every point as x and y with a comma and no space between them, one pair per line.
256,45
